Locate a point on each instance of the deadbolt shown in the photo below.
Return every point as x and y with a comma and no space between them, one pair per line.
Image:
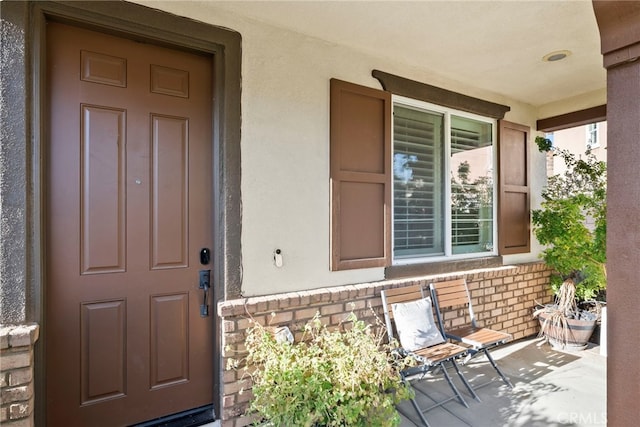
205,256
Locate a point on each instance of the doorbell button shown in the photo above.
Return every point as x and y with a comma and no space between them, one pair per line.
277,258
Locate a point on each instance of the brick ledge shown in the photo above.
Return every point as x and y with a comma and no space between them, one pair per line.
18,335
274,302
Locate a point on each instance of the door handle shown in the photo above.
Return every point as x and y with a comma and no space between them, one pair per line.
204,284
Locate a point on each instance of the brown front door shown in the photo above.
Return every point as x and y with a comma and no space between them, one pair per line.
129,205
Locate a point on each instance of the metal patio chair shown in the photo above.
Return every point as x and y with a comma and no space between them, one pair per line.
408,312
455,294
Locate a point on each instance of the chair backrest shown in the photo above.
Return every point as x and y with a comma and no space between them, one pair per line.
398,295
451,293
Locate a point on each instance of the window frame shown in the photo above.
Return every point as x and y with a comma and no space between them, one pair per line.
593,132
447,112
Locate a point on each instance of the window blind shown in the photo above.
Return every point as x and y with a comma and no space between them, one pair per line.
417,173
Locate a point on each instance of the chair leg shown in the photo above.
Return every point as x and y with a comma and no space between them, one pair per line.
452,385
415,404
465,382
495,366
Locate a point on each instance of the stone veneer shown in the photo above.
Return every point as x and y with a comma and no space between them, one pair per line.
503,298
16,374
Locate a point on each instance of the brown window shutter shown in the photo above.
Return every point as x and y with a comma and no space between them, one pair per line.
513,203
360,176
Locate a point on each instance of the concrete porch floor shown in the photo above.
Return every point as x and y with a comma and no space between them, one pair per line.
551,389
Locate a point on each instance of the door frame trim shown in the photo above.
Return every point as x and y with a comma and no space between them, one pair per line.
145,24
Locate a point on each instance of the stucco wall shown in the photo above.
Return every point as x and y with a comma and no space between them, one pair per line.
285,155
285,148
13,164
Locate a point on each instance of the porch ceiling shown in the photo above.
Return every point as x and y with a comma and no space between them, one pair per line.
496,46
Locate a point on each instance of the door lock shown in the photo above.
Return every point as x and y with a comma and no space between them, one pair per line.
205,256
205,279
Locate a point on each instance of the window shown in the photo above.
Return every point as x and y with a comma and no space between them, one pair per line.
415,182
592,136
443,183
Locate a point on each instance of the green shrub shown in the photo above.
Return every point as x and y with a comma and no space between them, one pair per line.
572,222
344,377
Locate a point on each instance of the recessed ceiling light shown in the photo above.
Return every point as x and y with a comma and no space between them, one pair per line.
558,55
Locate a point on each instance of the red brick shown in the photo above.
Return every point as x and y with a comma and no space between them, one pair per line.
20,376
357,305
332,309
12,359
231,308
306,313
17,394
23,335
244,397
305,298
229,376
319,296
458,322
292,300
337,319
281,317
273,304
496,297
237,386
228,325
247,322
228,400
246,421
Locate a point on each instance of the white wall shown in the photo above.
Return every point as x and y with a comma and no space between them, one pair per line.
285,148
576,103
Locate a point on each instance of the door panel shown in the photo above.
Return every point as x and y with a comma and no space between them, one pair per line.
102,189
170,167
102,347
128,210
169,339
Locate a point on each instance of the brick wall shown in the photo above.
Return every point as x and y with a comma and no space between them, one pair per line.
503,298
16,374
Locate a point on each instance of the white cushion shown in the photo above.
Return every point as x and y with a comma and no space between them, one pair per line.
415,325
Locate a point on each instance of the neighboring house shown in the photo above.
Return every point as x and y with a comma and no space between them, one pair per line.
170,172
577,140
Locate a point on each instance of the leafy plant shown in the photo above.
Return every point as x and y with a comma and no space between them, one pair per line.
572,222
344,377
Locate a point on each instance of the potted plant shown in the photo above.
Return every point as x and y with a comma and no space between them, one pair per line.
341,377
572,224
